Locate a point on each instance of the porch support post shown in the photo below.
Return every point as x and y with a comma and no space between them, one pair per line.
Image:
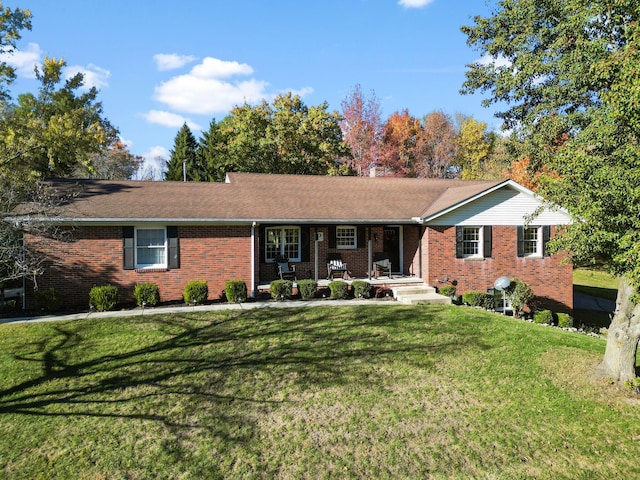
315,253
420,234
369,256
253,260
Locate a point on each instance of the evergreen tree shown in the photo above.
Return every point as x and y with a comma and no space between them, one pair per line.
184,148
212,154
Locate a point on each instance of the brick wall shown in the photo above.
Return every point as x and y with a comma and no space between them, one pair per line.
550,278
94,256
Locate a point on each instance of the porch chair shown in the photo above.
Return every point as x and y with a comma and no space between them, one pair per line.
381,265
336,267
284,269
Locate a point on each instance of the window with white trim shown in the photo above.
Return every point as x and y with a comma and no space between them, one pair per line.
282,241
346,237
151,248
471,242
532,241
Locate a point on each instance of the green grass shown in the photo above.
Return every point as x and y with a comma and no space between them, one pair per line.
380,391
595,282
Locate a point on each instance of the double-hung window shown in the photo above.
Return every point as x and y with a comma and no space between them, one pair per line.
151,248
282,241
532,240
346,237
473,242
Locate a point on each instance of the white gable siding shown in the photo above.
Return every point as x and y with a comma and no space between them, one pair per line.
505,206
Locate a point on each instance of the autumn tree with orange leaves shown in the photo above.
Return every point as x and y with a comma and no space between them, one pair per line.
362,129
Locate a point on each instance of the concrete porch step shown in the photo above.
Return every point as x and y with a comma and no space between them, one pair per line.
419,294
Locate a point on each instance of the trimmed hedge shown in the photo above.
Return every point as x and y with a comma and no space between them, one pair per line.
476,298
361,289
281,289
565,320
147,294
235,291
196,291
49,300
447,290
307,289
103,298
544,317
339,289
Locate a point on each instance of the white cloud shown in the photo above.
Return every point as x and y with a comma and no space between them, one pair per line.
153,164
94,76
24,61
414,3
171,61
216,68
210,88
497,62
168,119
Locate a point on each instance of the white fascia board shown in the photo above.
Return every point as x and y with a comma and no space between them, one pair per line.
507,183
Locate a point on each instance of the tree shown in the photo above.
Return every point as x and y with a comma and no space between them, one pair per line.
399,141
436,147
184,150
112,163
212,154
474,149
49,134
285,136
362,129
568,74
43,134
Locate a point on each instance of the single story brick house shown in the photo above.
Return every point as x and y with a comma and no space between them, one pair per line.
471,232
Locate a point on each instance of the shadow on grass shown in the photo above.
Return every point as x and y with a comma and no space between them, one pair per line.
223,363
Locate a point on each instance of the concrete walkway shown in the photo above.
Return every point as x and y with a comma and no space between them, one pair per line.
136,312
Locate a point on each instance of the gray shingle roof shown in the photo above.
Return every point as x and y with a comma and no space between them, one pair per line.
263,198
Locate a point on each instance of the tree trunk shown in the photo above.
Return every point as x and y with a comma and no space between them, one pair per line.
619,359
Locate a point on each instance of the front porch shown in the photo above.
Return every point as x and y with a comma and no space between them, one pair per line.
386,281
405,289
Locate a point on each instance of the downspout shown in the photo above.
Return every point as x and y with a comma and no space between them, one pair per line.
253,260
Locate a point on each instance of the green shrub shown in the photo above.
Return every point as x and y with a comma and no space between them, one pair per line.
48,300
565,320
447,290
476,298
544,317
520,294
307,289
146,294
281,289
196,291
339,289
236,291
361,289
103,298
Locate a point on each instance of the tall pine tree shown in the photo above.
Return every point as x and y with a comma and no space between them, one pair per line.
184,148
212,154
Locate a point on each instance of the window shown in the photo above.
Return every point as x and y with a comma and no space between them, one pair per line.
532,240
346,237
283,241
151,247
471,239
473,242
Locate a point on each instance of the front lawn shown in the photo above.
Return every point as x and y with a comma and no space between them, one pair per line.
369,391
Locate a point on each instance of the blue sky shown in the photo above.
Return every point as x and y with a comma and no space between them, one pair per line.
159,63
